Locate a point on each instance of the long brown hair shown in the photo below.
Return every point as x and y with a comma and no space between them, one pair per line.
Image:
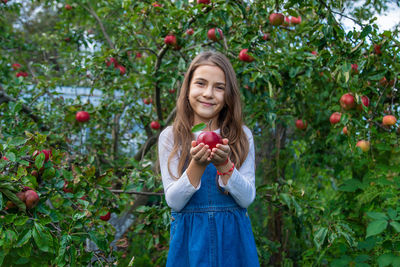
229,120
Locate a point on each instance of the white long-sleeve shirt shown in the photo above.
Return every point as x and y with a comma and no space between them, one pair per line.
241,184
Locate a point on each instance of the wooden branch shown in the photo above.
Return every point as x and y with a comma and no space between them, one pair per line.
136,192
93,13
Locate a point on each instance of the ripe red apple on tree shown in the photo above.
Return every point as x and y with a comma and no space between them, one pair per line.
31,199
21,74
190,31
363,145
105,217
47,153
138,55
383,82
209,138
155,125
347,101
122,69
295,20
68,7
214,36
110,61
335,117
276,19
364,102
243,56
16,66
156,4
389,120
171,91
148,100
204,2
344,130
266,37
301,124
170,39
5,158
314,52
377,49
82,116
354,68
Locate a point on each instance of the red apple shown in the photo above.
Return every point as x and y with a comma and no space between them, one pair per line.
377,49
171,91
335,117
295,20
65,187
314,52
205,2
31,199
122,69
301,124
383,81
156,4
363,145
266,37
47,153
148,100
243,56
364,102
209,138
21,196
21,74
347,101
276,19
138,55
389,120
155,125
344,130
110,61
105,217
16,66
5,158
68,7
354,68
190,31
212,35
82,116
170,39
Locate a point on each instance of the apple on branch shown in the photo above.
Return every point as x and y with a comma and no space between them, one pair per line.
347,101
335,117
155,125
82,116
244,56
295,20
214,34
276,19
170,39
363,145
389,120
301,124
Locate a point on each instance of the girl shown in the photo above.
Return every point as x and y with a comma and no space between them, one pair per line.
209,190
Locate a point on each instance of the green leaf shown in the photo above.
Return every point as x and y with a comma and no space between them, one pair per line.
17,141
1,201
385,259
21,220
199,127
319,237
365,31
11,196
396,226
99,240
24,237
42,237
39,160
392,213
376,227
11,156
2,256
377,215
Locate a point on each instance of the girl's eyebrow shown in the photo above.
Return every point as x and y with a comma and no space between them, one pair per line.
201,79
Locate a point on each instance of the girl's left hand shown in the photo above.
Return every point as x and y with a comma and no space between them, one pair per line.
220,154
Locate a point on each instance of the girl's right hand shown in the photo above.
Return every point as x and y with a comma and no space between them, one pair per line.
200,153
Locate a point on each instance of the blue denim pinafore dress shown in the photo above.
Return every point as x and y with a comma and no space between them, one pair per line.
211,230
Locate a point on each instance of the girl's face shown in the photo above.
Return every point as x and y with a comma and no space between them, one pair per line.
207,94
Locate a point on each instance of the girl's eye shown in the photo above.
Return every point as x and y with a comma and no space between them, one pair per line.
221,88
200,83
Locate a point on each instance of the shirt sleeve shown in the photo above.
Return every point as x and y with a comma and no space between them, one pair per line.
241,184
177,191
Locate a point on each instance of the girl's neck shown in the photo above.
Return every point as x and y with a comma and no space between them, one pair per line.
211,125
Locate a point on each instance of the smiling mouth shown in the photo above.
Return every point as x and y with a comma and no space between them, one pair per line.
205,103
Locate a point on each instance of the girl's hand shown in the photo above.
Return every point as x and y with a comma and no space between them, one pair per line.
200,153
220,154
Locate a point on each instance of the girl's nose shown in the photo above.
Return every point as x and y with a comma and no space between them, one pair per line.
208,91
